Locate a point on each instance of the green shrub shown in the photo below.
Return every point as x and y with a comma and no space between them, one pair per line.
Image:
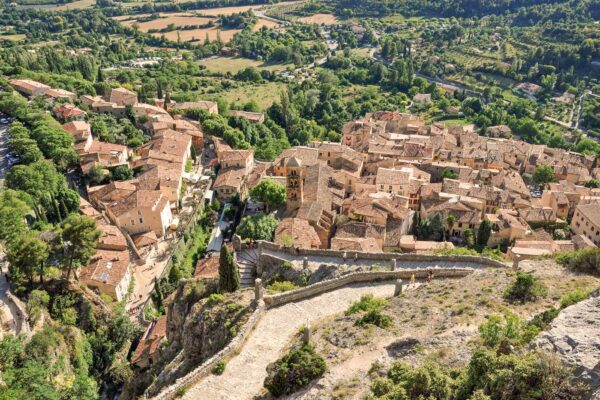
215,298
525,288
294,370
281,287
543,319
181,391
574,297
219,368
375,317
586,261
366,303
508,331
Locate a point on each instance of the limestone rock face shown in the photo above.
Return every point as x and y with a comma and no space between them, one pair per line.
575,337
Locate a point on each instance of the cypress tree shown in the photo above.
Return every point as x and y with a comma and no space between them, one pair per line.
229,277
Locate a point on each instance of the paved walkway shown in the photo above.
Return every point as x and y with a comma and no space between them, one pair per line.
314,262
244,375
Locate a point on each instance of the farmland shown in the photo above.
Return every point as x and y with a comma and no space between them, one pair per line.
204,24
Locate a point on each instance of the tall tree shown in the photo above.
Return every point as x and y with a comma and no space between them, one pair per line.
484,233
28,255
270,192
229,276
79,236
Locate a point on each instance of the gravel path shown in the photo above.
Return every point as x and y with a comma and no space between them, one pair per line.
244,375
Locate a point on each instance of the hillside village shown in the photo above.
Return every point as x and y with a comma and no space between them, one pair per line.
393,184
391,175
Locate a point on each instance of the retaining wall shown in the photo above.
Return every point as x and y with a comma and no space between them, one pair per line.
234,347
360,255
358,277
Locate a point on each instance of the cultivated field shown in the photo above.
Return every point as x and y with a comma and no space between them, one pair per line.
202,17
178,20
327,19
63,7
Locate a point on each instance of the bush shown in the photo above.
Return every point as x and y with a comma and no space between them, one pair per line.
294,370
375,317
586,261
574,297
366,303
281,287
215,298
219,368
525,288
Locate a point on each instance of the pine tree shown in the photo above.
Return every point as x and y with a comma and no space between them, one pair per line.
229,277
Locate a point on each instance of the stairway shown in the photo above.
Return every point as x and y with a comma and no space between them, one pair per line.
246,261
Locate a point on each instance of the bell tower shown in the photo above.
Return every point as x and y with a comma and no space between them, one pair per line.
295,184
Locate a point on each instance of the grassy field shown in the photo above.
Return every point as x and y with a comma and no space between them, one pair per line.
13,38
394,19
235,64
327,19
364,52
76,5
264,95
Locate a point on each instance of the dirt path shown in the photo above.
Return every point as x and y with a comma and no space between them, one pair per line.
10,314
243,378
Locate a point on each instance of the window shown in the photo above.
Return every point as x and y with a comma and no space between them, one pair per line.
141,221
139,212
132,222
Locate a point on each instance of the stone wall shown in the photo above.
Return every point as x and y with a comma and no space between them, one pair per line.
359,255
171,392
358,277
318,288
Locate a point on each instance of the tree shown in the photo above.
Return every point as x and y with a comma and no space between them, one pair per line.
592,183
525,288
26,149
121,173
544,174
270,192
450,174
28,255
257,227
469,237
79,236
450,222
229,276
484,233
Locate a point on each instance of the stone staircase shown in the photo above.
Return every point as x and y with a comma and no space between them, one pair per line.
246,261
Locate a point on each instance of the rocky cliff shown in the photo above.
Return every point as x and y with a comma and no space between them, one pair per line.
575,336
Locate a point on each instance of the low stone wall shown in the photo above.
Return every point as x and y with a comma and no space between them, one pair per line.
361,255
358,277
236,344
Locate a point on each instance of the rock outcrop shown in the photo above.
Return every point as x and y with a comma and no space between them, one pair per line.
575,337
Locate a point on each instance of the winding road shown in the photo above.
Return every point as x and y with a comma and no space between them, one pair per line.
244,375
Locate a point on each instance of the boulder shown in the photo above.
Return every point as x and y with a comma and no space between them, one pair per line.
575,337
